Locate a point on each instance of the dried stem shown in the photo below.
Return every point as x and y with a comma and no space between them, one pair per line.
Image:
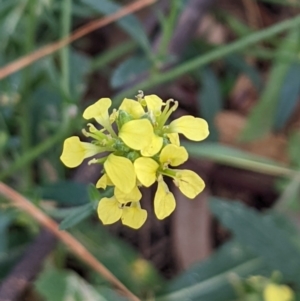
79,33
75,246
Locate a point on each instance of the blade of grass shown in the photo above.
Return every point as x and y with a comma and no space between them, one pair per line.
237,158
261,118
220,52
74,245
66,6
36,151
25,105
77,34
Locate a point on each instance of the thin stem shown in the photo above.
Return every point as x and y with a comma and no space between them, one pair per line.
74,245
35,152
64,52
25,106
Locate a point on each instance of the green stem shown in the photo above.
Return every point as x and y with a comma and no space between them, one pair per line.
218,53
25,106
64,52
35,152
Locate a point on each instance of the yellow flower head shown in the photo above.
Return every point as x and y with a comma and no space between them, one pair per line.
140,149
275,292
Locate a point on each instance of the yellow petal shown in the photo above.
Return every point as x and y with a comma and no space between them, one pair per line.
189,183
75,151
154,147
174,138
164,201
133,107
173,155
193,128
274,292
104,181
154,104
134,217
145,169
133,196
121,172
137,134
99,111
109,210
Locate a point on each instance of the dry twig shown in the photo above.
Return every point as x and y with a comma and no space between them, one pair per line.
74,245
79,33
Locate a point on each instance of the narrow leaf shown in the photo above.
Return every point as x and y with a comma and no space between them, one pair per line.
261,235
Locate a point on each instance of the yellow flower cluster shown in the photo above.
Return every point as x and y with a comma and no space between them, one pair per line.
137,150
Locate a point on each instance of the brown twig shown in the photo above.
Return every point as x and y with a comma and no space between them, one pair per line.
74,245
79,33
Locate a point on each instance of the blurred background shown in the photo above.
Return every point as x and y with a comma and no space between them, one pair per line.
235,63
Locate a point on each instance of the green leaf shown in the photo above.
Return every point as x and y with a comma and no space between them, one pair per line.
66,193
210,100
129,23
210,280
129,70
288,98
76,216
293,148
237,158
261,119
59,285
94,193
261,235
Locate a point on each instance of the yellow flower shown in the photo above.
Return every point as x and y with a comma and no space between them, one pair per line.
134,216
154,147
189,183
164,201
132,107
75,151
137,134
109,210
193,128
121,172
274,292
145,169
173,155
